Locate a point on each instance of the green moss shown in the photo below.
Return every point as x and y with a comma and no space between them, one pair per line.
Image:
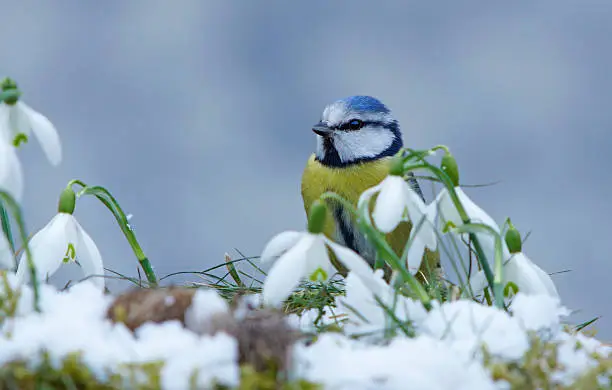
9,298
74,374
535,369
599,376
250,379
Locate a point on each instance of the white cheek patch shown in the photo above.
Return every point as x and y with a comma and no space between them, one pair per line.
364,143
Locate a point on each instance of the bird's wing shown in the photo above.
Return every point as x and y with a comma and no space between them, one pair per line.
414,184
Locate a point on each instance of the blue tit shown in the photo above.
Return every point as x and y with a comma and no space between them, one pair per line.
356,140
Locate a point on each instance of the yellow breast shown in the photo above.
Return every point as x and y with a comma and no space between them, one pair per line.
348,182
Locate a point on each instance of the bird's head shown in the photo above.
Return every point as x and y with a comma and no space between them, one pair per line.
356,129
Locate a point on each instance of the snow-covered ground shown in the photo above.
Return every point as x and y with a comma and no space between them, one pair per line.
445,352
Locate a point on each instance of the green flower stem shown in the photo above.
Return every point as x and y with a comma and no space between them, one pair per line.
497,287
76,181
394,261
111,203
12,204
460,209
6,227
443,147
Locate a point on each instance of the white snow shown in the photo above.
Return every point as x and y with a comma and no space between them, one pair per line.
419,363
74,321
445,353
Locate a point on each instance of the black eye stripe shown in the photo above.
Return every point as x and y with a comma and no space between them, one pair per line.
347,125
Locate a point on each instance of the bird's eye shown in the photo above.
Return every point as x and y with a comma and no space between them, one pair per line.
355,124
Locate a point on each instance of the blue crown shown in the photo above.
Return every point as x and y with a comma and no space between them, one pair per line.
365,104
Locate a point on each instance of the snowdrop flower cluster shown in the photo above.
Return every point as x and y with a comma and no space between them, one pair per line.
397,201
63,239
455,331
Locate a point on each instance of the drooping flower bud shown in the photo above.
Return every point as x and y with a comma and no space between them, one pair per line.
449,166
513,239
67,201
316,217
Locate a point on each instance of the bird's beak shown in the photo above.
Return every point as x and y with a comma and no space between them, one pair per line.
322,129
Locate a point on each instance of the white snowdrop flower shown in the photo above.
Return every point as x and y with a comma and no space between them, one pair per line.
520,270
524,273
396,202
61,241
529,278
298,255
17,119
446,211
11,175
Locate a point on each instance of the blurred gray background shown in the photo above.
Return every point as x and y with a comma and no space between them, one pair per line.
197,115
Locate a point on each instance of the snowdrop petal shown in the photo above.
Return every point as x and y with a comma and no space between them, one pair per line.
448,212
45,133
11,175
89,257
390,204
546,280
353,262
18,120
318,257
5,130
287,272
475,213
487,242
278,245
48,248
478,282
366,195
365,314
529,278
446,208
415,255
424,231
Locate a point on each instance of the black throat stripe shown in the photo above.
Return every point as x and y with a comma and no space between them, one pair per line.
345,231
